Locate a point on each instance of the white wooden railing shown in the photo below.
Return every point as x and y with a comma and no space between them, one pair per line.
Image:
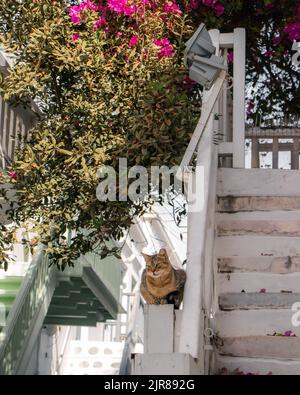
14,125
274,140
15,121
27,314
200,302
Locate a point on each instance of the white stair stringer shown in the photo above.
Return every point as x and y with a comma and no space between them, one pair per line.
257,258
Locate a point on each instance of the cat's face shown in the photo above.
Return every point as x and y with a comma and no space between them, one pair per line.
157,264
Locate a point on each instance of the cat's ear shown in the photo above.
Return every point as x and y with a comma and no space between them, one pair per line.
163,252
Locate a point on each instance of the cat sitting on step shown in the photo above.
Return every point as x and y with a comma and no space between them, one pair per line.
161,283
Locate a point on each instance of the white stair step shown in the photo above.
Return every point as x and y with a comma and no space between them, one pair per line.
246,246
257,182
254,322
281,265
271,228
254,282
258,366
277,347
277,215
274,223
254,301
233,204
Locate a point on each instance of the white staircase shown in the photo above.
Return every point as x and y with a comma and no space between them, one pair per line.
257,251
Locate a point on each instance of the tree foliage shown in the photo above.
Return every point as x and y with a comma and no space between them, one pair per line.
110,83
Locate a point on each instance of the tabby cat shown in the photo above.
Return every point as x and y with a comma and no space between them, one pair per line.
161,283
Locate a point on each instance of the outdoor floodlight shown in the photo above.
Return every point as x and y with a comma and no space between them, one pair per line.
199,56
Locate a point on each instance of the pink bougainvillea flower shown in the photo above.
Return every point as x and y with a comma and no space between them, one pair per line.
166,52
276,40
119,34
117,5
249,111
166,49
74,13
288,333
219,9
269,6
145,55
157,43
171,7
188,83
12,174
293,31
121,7
161,43
192,5
209,3
263,291
134,40
76,10
230,57
75,37
100,23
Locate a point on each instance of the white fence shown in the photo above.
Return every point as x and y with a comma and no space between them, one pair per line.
14,125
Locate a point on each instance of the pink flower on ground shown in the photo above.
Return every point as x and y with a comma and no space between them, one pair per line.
230,56
12,174
75,37
133,41
288,333
263,291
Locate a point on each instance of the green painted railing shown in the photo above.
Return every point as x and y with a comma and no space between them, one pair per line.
24,312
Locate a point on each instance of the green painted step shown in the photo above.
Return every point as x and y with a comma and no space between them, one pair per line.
9,288
10,283
7,302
